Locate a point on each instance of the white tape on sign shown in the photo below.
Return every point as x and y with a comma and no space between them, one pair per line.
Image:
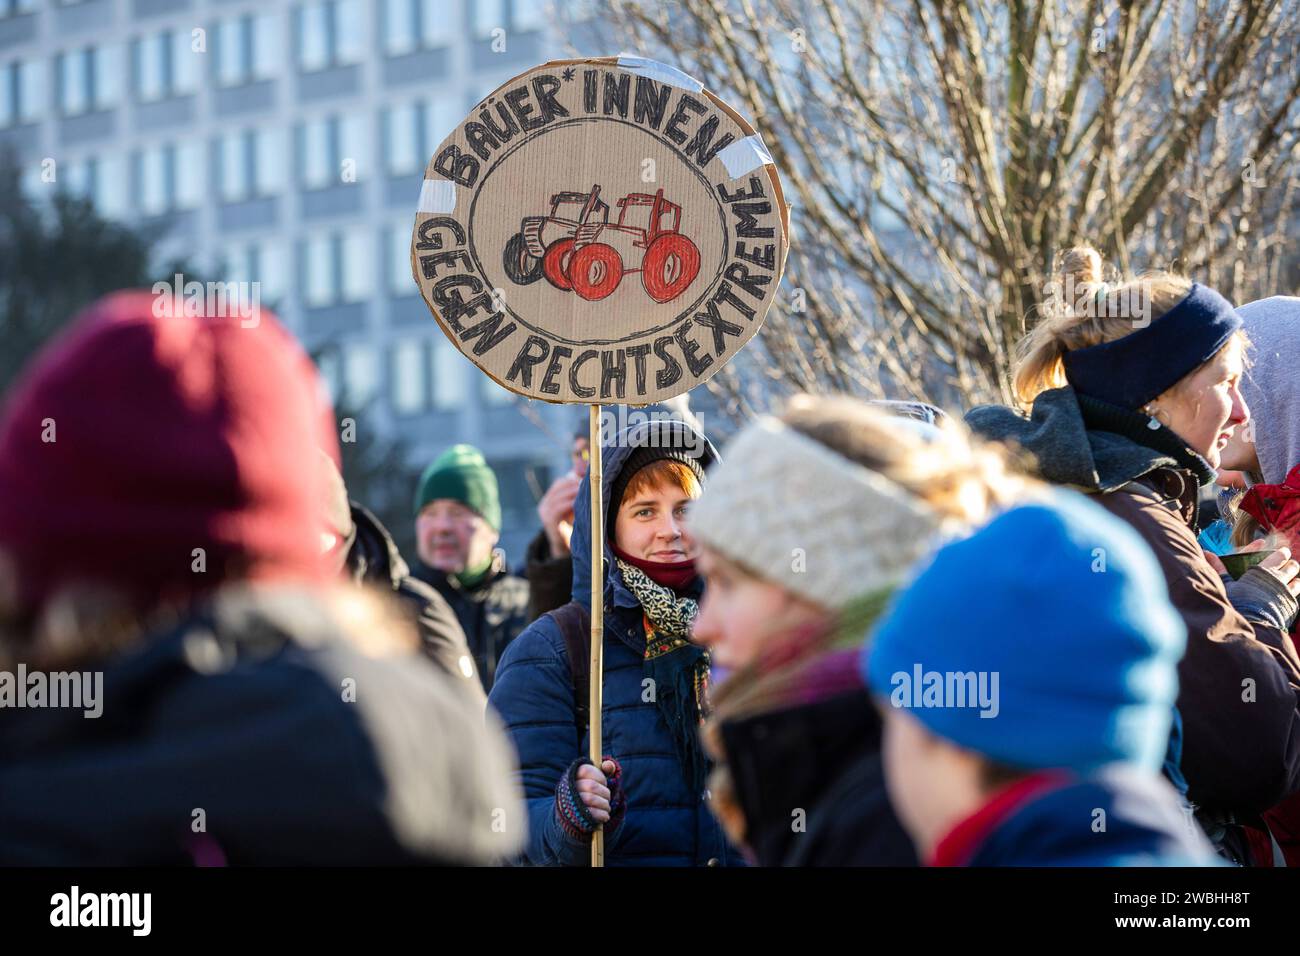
654,70
744,156
437,195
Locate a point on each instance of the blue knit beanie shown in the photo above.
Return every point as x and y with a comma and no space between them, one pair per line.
1044,640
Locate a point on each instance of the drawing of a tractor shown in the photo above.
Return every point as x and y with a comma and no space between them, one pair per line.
577,248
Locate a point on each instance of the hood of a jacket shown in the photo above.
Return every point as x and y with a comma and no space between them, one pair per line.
374,555
1270,386
613,458
1079,441
1276,506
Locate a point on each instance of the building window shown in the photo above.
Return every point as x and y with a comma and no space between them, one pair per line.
402,138
330,151
169,178
188,159
248,49
450,371
410,25
110,186
78,178
259,262
338,268
488,16
13,8
330,367
529,14
99,179
88,79
270,157
400,279
273,270
410,381
358,266
252,164
22,93
330,34
236,167
319,276
360,373
165,65
412,131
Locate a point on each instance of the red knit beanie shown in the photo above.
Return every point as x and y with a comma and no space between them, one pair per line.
134,440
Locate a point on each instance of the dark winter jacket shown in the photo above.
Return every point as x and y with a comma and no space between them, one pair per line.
823,759
256,731
666,824
1240,677
1119,816
373,558
492,613
550,579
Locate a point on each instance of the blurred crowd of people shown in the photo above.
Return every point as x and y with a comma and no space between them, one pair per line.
860,633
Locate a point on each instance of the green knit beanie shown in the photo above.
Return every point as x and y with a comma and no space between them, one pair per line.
461,474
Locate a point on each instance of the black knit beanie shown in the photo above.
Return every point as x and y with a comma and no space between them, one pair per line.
640,457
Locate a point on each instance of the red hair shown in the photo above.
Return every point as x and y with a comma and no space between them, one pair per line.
662,473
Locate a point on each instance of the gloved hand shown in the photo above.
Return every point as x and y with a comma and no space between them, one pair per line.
587,796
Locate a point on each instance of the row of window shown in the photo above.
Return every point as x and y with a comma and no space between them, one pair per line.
13,8
334,268
151,181
254,163
168,63
424,373
338,267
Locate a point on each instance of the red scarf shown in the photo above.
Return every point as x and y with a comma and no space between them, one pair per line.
675,574
963,840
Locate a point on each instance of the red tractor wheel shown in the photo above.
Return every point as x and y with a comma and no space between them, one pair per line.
555,263
671,264
595,271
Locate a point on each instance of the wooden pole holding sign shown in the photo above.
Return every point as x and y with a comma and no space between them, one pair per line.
595,481
600,231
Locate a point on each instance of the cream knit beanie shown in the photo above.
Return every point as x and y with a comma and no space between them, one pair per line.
803,516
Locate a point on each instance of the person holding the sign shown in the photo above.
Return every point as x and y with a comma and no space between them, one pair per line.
650,802
457,527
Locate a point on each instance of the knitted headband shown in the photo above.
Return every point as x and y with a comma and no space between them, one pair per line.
804,517
1131,371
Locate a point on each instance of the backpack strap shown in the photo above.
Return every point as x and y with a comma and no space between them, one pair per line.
574,622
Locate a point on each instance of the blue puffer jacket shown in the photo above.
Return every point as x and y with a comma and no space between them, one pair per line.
666,824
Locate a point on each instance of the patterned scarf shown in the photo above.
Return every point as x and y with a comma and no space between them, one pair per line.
678,669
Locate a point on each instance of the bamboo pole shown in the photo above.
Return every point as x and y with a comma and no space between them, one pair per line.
594,481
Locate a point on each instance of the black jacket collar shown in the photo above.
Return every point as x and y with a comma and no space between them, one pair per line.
784,759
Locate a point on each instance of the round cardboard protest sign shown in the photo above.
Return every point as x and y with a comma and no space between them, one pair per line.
601,230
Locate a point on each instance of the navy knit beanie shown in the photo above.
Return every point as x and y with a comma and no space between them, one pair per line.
1044,640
